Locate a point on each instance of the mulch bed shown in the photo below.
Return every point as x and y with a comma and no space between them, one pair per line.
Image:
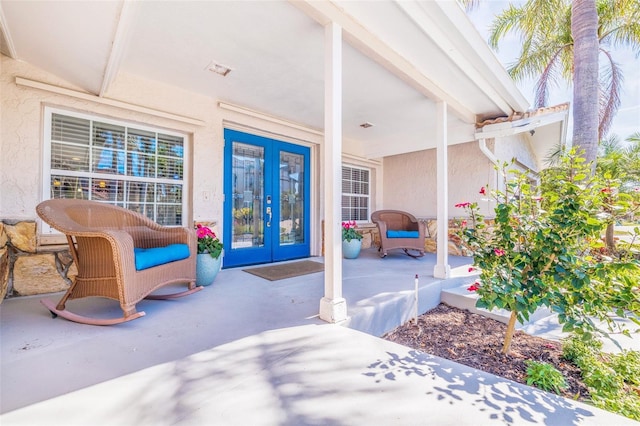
476,341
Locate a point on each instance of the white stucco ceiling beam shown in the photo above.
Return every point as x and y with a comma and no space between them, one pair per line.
428,17
9,47
362,39
118,47
486,67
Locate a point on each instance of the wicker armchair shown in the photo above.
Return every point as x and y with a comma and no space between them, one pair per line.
399,230
120,255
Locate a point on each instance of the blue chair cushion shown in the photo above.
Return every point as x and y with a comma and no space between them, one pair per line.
403,234
150,257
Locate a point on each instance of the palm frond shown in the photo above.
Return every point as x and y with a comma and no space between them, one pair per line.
469,5
609,145
547,79
555,154
619,23
611,85
503,24
634,138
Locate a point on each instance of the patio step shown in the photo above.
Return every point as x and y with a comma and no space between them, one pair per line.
462,298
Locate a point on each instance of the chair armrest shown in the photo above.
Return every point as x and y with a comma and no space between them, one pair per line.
122,244
382,227
145,237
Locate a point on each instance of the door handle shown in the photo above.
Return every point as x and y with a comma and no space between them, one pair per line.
270,215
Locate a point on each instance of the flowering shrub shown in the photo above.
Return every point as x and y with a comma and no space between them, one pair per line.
540,251
208,242
349,231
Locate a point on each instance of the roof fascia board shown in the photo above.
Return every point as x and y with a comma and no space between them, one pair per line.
429,19
484,59
118,47
361,38
510,128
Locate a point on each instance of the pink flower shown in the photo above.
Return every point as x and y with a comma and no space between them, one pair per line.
606,190
474,287
498,252
204,231
483,191
463,205
349,225
471,269
463,223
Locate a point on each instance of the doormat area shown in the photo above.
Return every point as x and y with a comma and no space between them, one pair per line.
286,270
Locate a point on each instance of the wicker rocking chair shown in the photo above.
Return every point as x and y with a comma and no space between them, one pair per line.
120,255
399,230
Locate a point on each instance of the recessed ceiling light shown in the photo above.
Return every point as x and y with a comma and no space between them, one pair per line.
366,125
223,70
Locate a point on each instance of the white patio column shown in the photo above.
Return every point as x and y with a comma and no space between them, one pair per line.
333,307
442,268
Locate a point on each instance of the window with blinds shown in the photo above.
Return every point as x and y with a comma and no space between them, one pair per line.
141,169
355,193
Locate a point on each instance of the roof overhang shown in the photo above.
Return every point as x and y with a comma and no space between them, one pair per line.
400,59
545,129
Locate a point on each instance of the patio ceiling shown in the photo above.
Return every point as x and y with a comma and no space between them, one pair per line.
400,58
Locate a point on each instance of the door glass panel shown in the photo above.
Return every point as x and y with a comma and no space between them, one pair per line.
291,198
248,193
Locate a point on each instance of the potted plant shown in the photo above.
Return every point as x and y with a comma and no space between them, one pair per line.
351,240
209,259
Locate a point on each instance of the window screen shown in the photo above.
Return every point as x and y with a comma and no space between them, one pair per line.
355,193
141,169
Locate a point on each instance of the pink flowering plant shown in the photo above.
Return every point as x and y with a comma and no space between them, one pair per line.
208,242
539,251
349,231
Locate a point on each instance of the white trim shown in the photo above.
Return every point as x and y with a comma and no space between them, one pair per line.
365,162
484,62
368,195
370,45
46,159
7,35
269,118
427,24
510,128
20,81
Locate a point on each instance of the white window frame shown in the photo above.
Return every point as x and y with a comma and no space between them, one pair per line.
48,171
367,196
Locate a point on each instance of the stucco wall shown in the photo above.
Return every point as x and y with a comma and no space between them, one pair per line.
21,138
516,147
22,134
410,180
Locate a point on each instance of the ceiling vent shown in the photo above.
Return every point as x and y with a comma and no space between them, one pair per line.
217,68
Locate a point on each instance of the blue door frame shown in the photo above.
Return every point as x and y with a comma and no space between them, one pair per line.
266,203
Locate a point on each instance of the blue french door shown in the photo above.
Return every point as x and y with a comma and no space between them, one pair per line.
266,207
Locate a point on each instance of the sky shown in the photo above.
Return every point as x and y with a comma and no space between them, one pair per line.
626,121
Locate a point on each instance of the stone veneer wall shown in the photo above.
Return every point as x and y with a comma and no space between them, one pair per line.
372,237
28,269
25,268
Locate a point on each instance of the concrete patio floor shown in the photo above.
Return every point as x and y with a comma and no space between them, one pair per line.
247,351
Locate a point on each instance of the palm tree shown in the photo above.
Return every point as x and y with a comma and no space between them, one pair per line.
584,31
620,163
552,32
